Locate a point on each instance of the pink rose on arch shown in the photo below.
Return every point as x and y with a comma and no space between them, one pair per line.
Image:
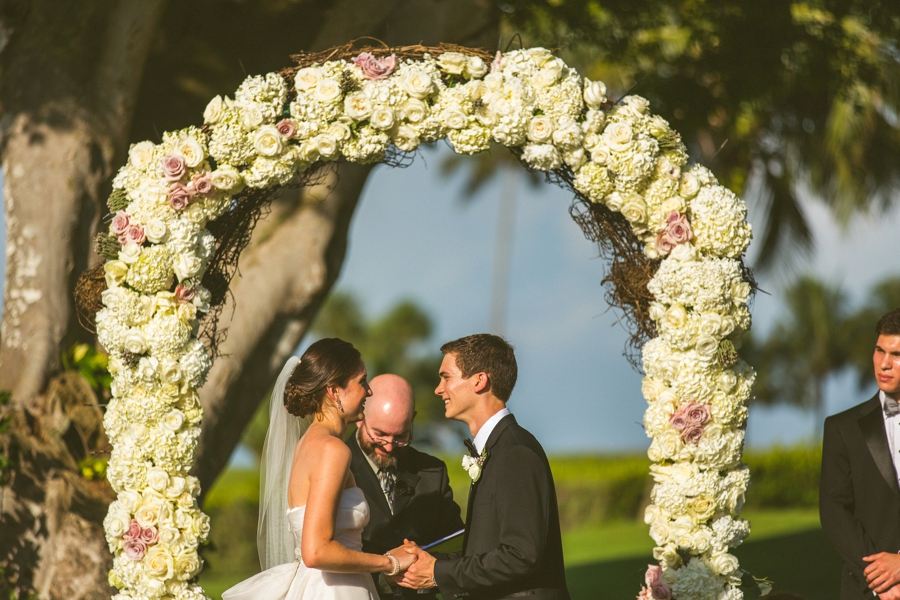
201,184
173,167
497,63
679,229
120,222
134,233
374,68
653,574
660,590
134,531
287,128
678,420
692,434
149,535
184,294
698,414
663,244
135,549
179,196
646,594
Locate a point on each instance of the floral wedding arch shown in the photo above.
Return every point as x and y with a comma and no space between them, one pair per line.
674,235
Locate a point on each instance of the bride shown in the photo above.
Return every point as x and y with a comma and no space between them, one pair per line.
311,513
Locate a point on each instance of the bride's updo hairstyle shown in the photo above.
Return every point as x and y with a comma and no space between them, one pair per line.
328,362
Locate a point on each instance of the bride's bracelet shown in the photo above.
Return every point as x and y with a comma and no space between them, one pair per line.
396,562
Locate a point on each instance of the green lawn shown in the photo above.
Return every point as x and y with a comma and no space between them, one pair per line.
608,560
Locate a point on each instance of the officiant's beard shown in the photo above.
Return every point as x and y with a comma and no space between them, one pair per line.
382,461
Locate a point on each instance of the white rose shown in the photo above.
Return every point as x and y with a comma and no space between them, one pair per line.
414,111
673,203
193,485
159,563
214,111
600,154
614,201
702,541
670,444
169,369
540,129
168,535
268,141
186,312
141,155
689,185
187,565
711,324
226,178
358,106
326,145
634,209
251,116
176,487
676,315
668,556
594,94
339,131
575,158
327,90
173,420
659,531
549,74
707,345
382,118
540,55
191,151
149,512
406,138
157,479
187,265
452,62
417,83
741,292
475,67
723,564
683,253
130,500
134,341
309,152
307,78
727,380
130,253
618,136
155,230
455,118
568,134
651,388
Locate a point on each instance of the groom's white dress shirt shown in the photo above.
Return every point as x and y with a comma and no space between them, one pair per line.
892,429
485,432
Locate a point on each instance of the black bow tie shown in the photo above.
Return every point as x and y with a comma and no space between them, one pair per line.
470,446
891,406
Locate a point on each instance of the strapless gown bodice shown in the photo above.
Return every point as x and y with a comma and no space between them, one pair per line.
296,581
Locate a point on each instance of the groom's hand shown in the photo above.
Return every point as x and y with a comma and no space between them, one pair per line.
420,575
883,572
891,594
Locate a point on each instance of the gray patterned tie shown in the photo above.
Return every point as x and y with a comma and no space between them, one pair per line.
891,406
388,478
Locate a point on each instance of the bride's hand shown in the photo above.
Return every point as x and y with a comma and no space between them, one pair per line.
406,559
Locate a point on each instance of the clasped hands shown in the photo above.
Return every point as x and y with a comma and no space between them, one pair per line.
883,575
416,567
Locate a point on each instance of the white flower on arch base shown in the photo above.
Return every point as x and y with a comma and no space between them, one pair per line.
621,156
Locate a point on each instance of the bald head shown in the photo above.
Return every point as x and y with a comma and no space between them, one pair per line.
391,407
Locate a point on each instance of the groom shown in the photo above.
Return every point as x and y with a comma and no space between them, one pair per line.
512,547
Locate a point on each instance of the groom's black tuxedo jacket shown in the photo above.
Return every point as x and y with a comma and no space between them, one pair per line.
859,498
424,510
513,546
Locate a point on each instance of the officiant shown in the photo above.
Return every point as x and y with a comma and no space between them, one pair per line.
408,491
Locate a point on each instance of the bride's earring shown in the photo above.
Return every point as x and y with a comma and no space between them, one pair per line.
338,400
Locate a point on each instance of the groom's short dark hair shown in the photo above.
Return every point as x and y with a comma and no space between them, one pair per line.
486,353
889,324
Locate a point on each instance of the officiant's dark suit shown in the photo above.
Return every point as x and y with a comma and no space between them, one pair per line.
424,510
513,546
859,495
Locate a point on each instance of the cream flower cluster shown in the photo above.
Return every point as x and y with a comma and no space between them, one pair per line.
621,156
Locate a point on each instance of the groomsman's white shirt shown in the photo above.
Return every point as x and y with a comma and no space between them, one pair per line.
892,428
485,432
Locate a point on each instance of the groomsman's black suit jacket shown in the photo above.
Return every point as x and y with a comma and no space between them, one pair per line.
859,498
424,510
513,546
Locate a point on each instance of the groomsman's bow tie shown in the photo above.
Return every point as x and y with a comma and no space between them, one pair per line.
891,406
470,445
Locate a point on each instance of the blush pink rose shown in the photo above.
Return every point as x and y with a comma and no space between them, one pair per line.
653,574
201,184
692,434
679,230
173,167
678,421
134,531
646,594
660,590
287,128
135,549
149,536
497,63
179,196
698,414
184,294
134,233
120,222
663,244
374,68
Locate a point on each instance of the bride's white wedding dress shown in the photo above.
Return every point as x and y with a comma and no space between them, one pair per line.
296,581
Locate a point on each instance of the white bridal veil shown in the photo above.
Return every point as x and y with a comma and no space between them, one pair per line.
273,537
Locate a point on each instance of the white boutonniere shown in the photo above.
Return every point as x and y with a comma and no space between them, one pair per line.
474,464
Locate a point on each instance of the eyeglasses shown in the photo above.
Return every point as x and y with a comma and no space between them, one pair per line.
381,442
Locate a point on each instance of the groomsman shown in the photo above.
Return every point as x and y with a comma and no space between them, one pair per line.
408,491
512,547
859,495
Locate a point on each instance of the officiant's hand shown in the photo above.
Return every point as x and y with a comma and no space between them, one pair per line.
883,572
420,575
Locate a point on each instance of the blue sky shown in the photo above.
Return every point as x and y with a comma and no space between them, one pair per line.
413,237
